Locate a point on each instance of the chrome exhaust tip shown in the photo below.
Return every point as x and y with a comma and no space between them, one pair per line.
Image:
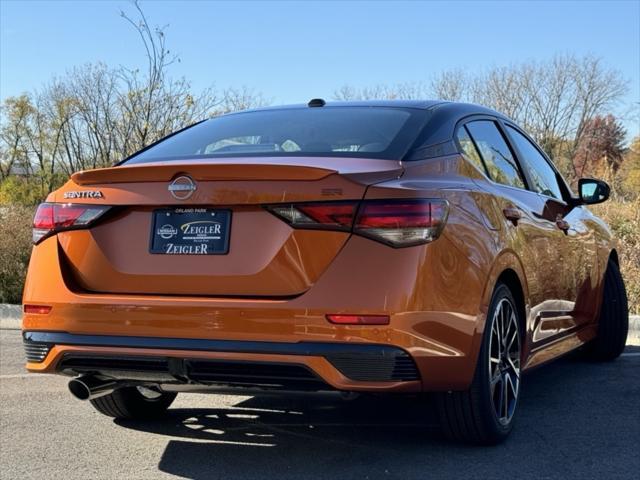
88,387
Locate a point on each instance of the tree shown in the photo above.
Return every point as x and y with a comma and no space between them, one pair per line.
95,115
600,146
235,99
630,170
13,132
403,91
450,85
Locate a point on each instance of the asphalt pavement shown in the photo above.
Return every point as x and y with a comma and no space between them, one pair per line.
576,420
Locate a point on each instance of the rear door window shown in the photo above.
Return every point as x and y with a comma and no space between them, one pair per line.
469,150
495,152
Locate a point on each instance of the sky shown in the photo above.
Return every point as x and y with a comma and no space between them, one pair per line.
294,51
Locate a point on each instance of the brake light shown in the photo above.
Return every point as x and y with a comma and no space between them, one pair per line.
51,218
327,215
402,223
396,222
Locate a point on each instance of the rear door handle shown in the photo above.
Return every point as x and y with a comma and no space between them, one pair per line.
562,224
512,213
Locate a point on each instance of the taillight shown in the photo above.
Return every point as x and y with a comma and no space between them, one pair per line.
51,218
396,222
402,223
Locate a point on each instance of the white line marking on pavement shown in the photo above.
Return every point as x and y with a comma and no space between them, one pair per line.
631,354
28,375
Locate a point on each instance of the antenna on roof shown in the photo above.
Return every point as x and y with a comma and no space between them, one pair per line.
316,102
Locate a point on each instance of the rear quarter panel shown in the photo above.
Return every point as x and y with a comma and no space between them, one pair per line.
452,286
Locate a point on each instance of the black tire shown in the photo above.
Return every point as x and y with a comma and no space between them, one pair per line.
129,403
470,416
613,324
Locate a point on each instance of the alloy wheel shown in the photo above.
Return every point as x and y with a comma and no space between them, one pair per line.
504,361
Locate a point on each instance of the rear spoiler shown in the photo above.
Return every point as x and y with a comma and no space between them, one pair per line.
203,171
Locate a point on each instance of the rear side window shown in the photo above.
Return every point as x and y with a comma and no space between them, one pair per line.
370,132
495,152
469,149
544,179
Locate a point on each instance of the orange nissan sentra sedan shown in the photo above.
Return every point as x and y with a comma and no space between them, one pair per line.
357,247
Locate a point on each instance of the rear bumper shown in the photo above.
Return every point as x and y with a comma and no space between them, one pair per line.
434,317
328,366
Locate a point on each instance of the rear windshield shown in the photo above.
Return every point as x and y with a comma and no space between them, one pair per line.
371,132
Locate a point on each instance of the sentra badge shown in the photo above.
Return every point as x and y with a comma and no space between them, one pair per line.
83,194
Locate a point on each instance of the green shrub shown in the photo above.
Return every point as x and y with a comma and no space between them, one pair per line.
20,190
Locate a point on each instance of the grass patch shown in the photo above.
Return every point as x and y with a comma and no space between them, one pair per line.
624,219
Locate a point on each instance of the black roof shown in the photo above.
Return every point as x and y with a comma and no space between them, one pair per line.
424,104
441,105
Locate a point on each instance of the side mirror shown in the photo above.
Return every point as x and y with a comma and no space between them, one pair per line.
593,191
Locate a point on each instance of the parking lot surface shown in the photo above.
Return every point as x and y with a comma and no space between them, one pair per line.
576,420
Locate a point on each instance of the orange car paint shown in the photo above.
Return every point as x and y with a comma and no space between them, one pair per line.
281,287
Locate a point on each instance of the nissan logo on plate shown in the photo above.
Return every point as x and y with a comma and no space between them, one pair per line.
182,187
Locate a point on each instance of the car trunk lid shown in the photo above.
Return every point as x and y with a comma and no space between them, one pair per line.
265,257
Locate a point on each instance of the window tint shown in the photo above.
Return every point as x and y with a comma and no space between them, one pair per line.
469,149
543,176
495,152
370,132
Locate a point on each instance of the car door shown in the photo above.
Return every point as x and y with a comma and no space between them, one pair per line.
531,230
577,244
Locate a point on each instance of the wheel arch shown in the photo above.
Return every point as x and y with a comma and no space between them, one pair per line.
508,269
510,278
